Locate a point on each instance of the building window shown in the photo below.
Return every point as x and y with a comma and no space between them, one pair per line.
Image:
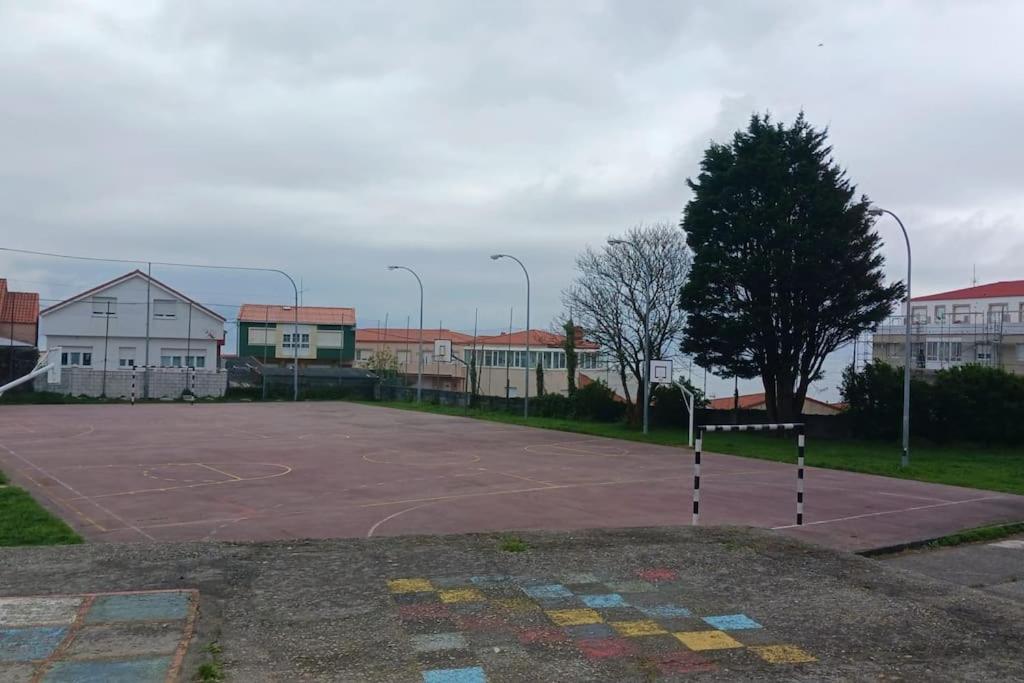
961,313
126,357
944,351
997,313
362,354
165,309
81,359
301,341
170,361
403,357
919,314
940,314
983,352
195,361
104,305
1020,353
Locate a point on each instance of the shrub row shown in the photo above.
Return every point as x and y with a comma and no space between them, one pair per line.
965,403
595,402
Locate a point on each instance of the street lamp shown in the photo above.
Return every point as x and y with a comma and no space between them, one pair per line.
905,459
419,352
647,331
526,394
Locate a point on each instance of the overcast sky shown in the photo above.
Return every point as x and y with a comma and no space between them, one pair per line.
329,139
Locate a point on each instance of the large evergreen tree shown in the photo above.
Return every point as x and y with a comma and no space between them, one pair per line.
786,266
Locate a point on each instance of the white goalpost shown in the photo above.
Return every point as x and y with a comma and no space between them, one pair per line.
48,363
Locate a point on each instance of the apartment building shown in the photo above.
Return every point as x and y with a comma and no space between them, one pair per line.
983,324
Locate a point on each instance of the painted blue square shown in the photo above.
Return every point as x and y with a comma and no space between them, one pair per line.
665,611
470,674
732,622
149,670
26,644
589,631
489,580
139,607
607,600
548,592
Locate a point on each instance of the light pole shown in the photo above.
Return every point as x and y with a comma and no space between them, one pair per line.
526,394
419,351
905,459
647,331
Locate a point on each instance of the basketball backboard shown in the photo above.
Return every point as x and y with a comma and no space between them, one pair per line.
443,350
661,371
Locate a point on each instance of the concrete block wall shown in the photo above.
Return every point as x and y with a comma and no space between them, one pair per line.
163,383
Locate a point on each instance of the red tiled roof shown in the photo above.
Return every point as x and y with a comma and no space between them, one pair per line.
748,401
990,291
309,315
18,307
399,335
538,338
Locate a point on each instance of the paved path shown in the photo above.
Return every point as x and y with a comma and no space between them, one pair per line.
996,567
623,606
255,472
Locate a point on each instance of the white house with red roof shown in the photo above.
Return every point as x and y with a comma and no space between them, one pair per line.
982,324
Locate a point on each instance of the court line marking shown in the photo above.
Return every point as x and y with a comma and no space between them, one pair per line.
432,499
214,469
393,515
122,520
475,458
889,512
285,468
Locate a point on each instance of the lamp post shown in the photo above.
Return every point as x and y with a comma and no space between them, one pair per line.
526,363
419,352
647,332
905,458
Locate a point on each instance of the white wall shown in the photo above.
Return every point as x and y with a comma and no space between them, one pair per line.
979,307
75,325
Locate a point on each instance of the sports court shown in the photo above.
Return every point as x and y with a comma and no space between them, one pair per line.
246,471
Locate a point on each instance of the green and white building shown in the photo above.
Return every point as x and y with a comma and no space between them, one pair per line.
315,335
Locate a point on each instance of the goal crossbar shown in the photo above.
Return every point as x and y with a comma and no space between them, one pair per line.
797,427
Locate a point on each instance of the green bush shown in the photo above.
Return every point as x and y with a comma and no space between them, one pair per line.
668,406
552,405
965,403
597,402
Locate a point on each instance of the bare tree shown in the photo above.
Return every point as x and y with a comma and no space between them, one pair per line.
615,285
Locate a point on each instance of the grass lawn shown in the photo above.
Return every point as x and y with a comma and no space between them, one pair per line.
992,468
23,521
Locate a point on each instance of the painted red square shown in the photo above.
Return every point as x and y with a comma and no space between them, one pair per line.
544,635
480,622
657,574
682,663
603,648
426,610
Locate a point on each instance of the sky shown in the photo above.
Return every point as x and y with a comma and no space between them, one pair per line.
330,139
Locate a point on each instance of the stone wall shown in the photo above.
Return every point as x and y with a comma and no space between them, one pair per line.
163,383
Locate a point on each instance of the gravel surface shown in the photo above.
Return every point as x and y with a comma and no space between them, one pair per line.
325,610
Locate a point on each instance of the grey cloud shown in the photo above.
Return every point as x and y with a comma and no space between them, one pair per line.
330,138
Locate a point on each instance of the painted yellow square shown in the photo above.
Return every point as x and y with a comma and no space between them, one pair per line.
574,617
517,604
410,586
707,640
782,654
641,627
461,595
